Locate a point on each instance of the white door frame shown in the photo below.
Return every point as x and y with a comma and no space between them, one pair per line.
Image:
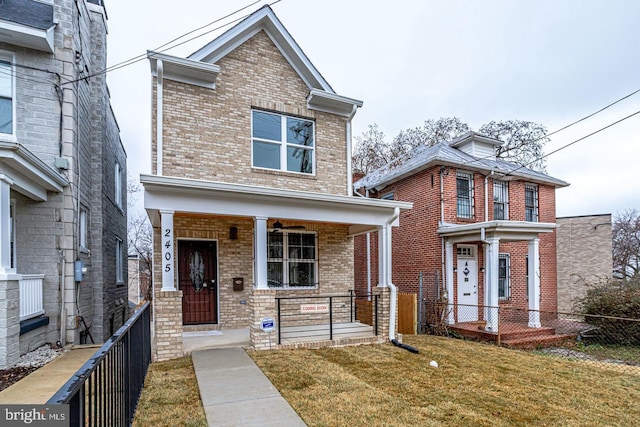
464,312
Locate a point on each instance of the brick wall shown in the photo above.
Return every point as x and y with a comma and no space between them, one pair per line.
418,248
207,133
584,256
168,325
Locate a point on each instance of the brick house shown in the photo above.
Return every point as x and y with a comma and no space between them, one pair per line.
251,193
62,175
480,222
585,256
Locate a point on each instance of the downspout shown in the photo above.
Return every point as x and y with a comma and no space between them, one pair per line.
159,78
394,290
63,310
442,266
349,153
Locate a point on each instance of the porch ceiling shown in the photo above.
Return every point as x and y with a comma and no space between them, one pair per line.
504,230
30,175
215,198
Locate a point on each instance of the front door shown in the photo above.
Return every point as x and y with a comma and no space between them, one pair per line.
467,286
198,278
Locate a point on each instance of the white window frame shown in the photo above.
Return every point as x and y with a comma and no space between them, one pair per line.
534,210
286,280
119,262
83,221
507,277
469,177
497,192
12,234
7,56
118,184
283,144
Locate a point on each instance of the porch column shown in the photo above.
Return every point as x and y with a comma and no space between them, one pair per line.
448,249
260,252
492,248
534,283
167,250
5,225
384,256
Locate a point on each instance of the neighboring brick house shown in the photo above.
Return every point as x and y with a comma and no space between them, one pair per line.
481,222
62,179
585,256
250,194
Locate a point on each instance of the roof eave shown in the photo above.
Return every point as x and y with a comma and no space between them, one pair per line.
25,36
184,70
328,102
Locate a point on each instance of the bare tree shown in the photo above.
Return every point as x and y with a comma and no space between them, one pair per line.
444,129
523,142
370,151
140,240
626,245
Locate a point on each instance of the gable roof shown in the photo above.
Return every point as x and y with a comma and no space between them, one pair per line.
442,153
264,19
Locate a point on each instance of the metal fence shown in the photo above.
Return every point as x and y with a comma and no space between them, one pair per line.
326,317
106,389
609,340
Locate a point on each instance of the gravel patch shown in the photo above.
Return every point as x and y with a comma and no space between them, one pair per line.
38,357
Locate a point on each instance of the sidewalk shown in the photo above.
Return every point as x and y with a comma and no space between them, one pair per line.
38,387
235,392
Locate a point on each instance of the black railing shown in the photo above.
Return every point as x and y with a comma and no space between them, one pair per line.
319,316
105,390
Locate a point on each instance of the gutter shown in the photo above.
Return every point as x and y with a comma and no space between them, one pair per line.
394,289
349,148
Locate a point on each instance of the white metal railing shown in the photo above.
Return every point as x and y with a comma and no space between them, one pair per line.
31,304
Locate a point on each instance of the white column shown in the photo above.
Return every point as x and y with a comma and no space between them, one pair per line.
260,253
492,250
167,251
384,256
534,283
159,118
448,266
5,225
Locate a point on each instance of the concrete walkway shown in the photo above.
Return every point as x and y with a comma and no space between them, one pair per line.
38,387
235,392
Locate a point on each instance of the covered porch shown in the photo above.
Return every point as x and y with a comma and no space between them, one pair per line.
269,244
471,299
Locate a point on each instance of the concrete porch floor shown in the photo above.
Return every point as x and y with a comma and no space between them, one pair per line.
225,338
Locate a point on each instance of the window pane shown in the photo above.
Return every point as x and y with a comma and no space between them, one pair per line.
299,132
5,80
274,245
6,116
302,246
274,274
266,155
498,210
299,160
301,273
267,126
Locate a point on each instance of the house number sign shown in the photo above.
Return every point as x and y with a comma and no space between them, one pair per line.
168,252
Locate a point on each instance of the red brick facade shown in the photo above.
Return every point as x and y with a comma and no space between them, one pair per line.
417,247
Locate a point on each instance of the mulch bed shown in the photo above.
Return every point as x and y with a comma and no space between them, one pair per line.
13,375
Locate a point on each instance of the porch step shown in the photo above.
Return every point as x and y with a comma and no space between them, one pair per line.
321,332
528,333
529,343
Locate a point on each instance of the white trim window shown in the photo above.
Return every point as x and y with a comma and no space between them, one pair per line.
117,175
464,191
282,143
292,259
500,200
119,262
504,273
83,220
7,95
531,202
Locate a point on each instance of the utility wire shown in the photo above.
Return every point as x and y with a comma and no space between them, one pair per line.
164,48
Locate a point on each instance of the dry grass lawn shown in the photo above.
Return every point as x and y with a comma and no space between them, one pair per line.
475,385
170,396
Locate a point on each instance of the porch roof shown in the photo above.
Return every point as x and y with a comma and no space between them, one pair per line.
164,193
30,175
504,230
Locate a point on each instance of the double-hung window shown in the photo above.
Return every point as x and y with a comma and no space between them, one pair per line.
6,95
282,143
503,276
119,262
118,184
464,191
500,200
292,259
531,202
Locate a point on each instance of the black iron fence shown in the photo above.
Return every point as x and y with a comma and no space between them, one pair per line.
326,317
106,389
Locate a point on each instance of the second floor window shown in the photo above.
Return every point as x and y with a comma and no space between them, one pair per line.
500,200
531,202
6,97
282,142
118,185
464,191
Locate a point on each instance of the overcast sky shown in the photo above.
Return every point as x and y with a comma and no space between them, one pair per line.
547,61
